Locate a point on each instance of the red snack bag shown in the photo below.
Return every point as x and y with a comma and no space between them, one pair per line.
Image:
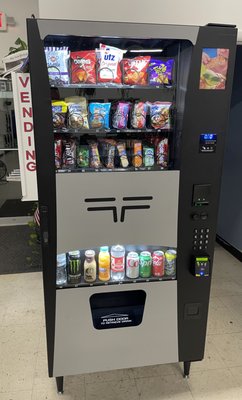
136,70
58,153
83,66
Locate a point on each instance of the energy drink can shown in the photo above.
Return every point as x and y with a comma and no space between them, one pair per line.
170,267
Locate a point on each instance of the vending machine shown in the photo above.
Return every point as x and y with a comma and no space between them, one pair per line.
129,122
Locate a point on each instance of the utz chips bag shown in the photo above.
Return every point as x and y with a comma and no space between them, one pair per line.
59,110
161,72
108,60
121,115
99,115
83,66
160,115
57,59
138,117
135,70
77,112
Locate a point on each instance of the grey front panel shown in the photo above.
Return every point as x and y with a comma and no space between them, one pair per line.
79,228
80,348
117,29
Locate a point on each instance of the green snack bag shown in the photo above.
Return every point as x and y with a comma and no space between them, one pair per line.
83,156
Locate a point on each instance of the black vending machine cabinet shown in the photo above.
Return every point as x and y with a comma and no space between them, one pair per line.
130,121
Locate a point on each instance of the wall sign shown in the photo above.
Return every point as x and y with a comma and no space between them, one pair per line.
25,135
3,21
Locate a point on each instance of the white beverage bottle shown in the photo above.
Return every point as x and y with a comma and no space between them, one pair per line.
117,262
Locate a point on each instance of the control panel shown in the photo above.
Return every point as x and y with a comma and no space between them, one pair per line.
200,239
207,143
201,266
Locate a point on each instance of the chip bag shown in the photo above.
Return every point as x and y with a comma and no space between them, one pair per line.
138,116
83,66
135,70
77,112
121,115
161,71
59,111
160,115
69,153
99,115
108,61
57,59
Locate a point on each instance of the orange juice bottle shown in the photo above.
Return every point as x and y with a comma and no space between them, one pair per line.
104,264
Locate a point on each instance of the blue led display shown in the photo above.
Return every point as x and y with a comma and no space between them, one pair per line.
208,136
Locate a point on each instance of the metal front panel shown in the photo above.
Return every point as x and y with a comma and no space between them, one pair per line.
117,29
80,348
79,228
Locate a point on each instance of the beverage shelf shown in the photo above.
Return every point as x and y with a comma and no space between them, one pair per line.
107,170
109,131
110,86
111,282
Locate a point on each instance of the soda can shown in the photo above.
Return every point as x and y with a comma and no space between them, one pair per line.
170,267
158,263
132,265
145,264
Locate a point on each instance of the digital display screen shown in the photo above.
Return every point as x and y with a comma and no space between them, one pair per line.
208,136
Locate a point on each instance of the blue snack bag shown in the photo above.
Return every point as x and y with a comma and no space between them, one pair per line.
99,115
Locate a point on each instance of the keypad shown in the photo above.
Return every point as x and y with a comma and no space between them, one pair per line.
200,239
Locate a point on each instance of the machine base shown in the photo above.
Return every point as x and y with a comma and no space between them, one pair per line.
60,384
187,365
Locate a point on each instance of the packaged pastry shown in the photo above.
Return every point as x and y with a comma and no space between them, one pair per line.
94,156
83,156
83,66
161,71
135,70
137,154
148,156
58,153
162,153
69,153
138,117
160,115
108,147
99,115
121,146
108,64
121,115
57,60
77,112
59,111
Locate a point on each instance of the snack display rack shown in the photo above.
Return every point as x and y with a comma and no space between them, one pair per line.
153,231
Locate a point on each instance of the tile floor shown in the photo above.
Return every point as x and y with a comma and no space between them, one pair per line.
23,367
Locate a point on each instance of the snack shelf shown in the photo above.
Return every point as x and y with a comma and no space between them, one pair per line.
110,131
112,282
110,86
107,170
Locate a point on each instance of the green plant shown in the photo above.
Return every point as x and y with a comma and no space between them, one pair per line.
22,46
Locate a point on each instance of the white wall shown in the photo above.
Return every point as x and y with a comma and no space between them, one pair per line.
192,12
20,10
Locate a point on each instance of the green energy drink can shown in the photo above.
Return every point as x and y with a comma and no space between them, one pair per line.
74,266
170,265
145,264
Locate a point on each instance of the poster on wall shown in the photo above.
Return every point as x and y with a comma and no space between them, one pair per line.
214,68
25,135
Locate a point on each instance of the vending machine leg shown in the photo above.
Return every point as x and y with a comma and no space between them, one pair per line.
187,365
60,384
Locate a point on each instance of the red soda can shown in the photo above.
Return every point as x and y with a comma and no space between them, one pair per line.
158,263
